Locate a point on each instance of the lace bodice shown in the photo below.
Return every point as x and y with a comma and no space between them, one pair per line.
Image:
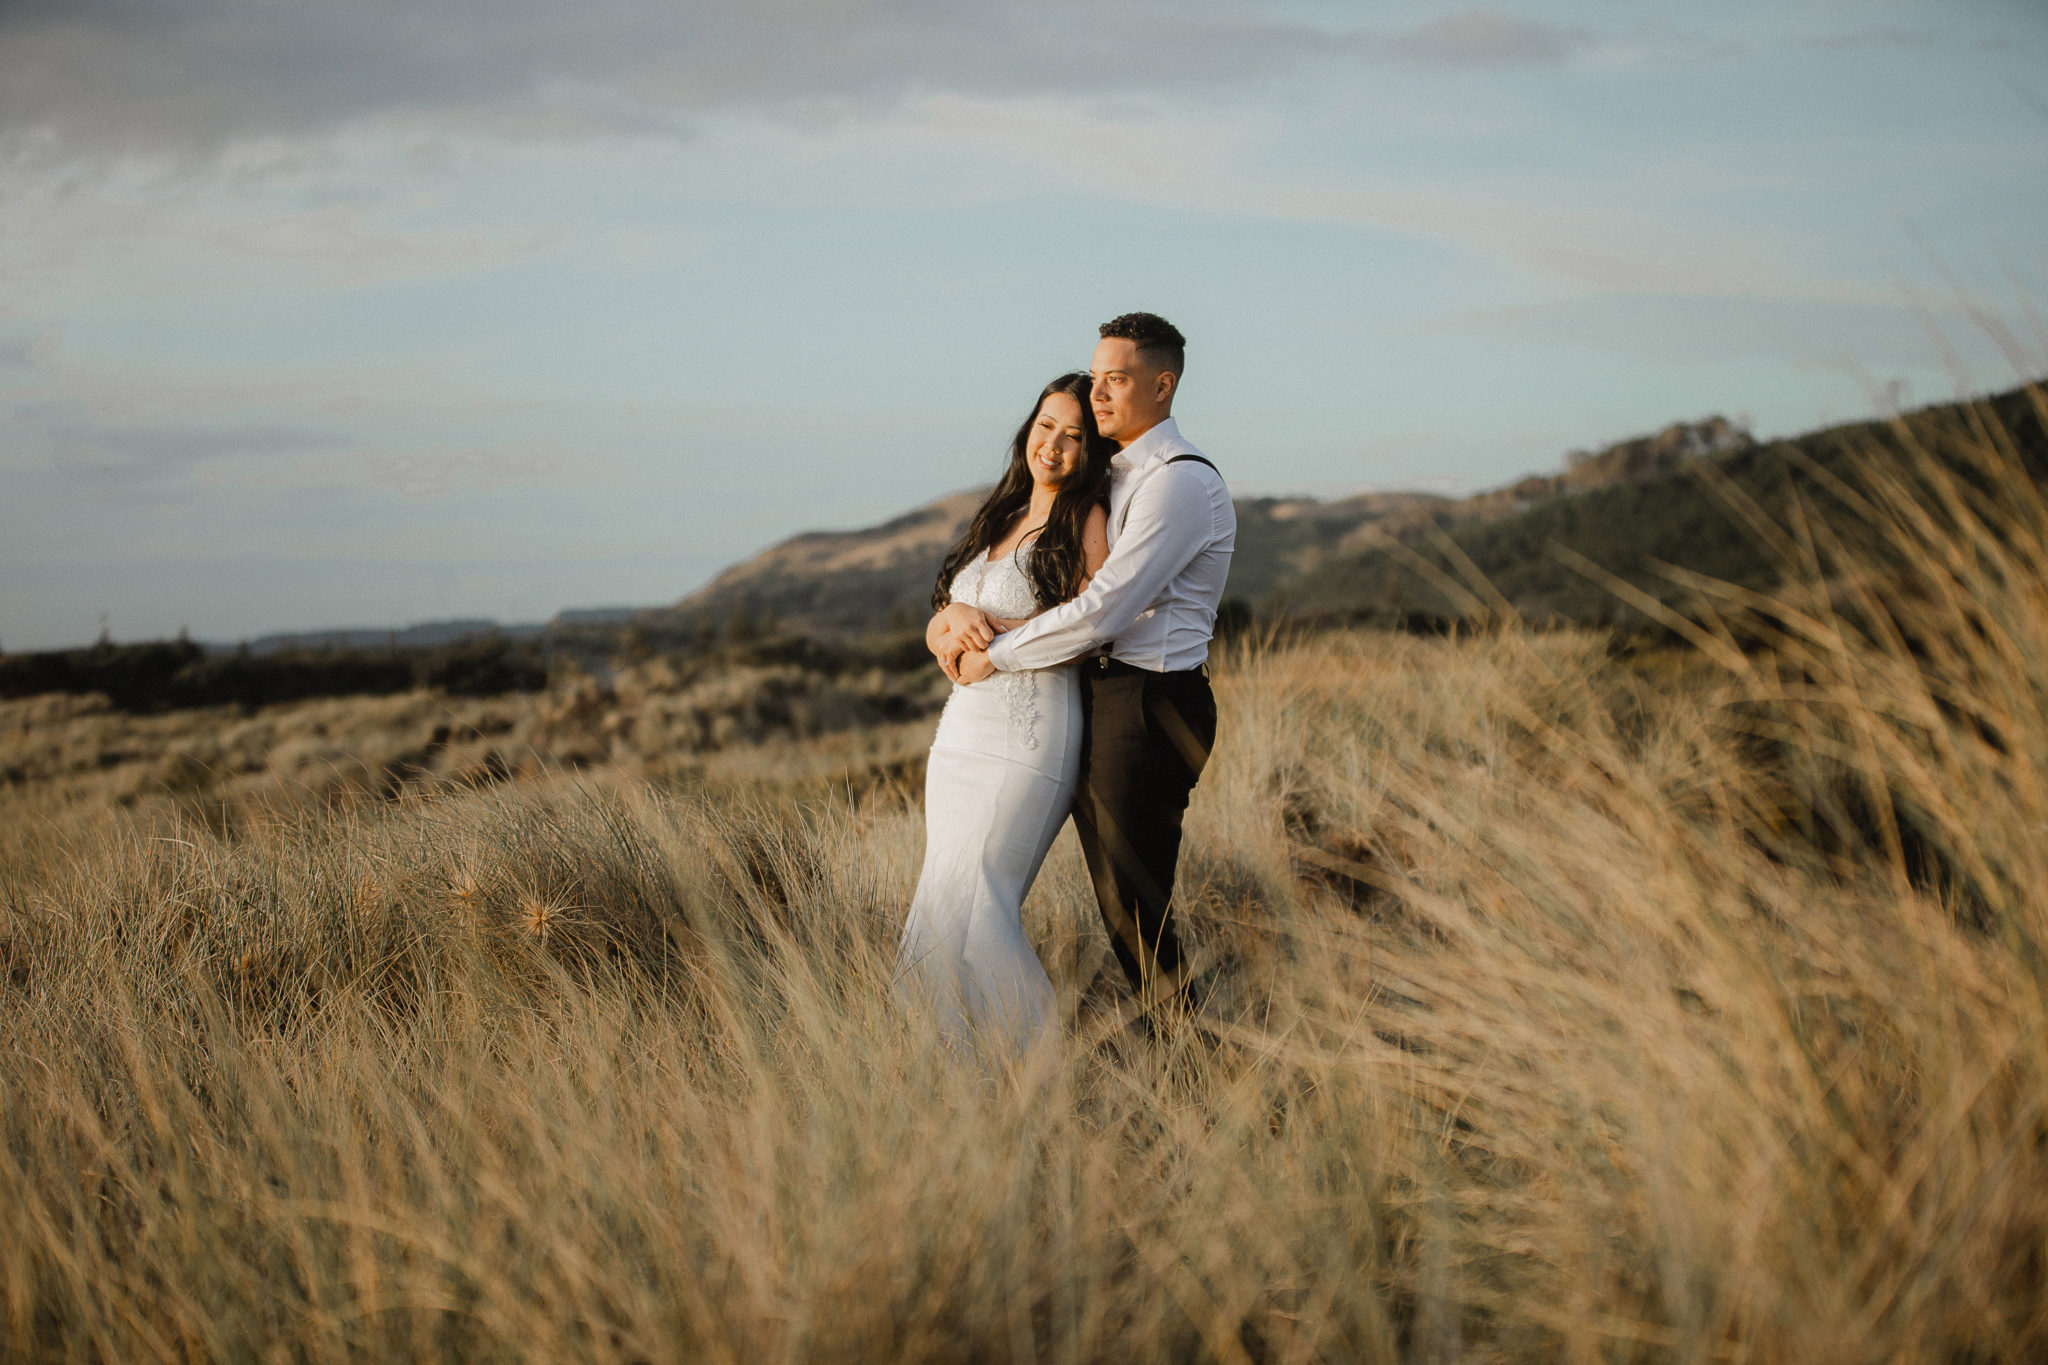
1000,589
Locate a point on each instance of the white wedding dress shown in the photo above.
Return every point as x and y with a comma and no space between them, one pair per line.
997,788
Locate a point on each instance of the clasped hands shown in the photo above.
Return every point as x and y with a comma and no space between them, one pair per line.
960,642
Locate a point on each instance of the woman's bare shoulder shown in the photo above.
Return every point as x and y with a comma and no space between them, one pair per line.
1095,538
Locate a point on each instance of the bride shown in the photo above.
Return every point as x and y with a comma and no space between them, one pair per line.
1003,765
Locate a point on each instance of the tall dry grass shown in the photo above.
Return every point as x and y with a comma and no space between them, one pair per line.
1556,1008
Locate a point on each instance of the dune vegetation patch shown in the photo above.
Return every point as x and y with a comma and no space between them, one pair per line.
1556,1003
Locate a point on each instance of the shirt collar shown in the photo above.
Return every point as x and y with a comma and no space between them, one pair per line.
1157,444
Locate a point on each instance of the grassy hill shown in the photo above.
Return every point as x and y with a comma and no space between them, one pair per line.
840,583
1403,558
828,583
1683,515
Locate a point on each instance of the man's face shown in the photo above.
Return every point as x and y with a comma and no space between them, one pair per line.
1129,396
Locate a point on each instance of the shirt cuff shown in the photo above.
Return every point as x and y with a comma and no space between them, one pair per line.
1001,654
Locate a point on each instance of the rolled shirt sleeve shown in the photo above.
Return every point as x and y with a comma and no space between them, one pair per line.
1171,520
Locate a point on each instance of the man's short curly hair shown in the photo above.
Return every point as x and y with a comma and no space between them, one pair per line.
1160,343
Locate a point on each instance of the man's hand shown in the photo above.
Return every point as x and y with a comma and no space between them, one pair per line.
969,626
972,667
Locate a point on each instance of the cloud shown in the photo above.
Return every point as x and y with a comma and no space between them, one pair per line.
125,459
140,227
68,391
419,474
1614,234
1606,247
64,238
1880,36
1691,329
127,75
1490,38
427,475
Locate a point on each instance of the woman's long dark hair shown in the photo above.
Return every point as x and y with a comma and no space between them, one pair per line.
1055,566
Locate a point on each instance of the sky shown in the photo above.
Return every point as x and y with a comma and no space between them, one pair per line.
321,313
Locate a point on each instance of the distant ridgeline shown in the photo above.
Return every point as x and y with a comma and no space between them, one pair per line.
1380,558
1633,509
836,600
170,674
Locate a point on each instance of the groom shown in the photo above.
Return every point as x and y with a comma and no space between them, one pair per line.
1144,624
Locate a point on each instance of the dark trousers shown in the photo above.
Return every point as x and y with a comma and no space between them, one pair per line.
1148,737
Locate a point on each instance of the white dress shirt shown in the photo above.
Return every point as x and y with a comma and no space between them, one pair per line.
1171,531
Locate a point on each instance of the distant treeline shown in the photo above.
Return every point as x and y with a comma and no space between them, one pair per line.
170,675
166,675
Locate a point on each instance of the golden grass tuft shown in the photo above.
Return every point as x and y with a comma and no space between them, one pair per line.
1557,1006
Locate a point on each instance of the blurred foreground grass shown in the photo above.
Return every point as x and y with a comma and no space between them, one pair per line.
1558,1006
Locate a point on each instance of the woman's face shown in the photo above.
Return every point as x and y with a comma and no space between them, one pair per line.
1053,450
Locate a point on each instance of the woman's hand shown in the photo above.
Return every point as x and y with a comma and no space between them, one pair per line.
938,638
967,626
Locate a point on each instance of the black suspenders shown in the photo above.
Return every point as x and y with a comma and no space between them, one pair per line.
1124,520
